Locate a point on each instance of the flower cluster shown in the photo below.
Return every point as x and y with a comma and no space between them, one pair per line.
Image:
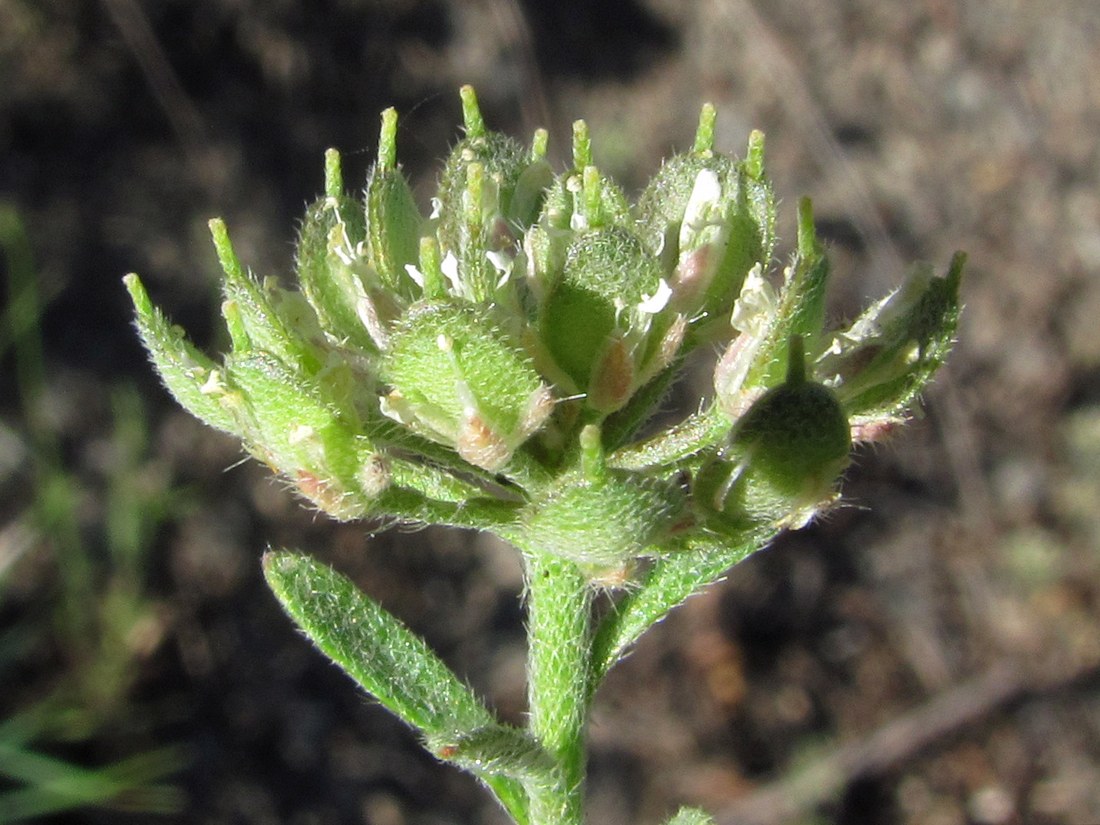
492,363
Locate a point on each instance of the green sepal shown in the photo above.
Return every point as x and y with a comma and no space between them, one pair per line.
393,230
193,379
890,354
271,319
801,310
691,816
804,299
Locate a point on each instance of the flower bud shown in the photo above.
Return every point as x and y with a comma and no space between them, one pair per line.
711,220
491,186
266,316
331,264
459,379
883,360
287,422
766,320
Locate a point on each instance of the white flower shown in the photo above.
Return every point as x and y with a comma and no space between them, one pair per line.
755,308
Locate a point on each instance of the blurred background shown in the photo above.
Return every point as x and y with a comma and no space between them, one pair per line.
927,654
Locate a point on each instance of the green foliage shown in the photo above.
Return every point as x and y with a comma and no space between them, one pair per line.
691,816
489,365
92,609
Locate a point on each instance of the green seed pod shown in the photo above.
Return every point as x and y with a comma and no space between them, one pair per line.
460,380
787,452
604,522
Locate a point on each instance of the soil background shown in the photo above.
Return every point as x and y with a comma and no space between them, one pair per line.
927,654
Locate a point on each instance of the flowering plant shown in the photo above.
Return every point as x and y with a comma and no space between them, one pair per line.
494,366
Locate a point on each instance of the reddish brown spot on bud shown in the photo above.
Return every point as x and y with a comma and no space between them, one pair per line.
692,277
613,378
876,430
480,444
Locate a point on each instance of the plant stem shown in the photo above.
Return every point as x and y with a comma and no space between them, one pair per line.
559,629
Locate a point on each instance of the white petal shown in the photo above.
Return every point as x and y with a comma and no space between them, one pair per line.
699,212
657,301
757,304
449,266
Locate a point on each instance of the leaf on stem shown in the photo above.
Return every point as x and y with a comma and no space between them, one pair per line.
392,664
672,580
373,647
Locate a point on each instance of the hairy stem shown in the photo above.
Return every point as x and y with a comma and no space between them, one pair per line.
559,617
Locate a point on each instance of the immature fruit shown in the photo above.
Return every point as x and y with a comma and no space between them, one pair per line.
458,378
788,450
604,522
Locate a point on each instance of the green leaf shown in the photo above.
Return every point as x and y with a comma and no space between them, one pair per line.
389,661
375,648
673,578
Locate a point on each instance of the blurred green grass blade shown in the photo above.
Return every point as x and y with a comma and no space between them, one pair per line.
20,329
55,494
54,785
